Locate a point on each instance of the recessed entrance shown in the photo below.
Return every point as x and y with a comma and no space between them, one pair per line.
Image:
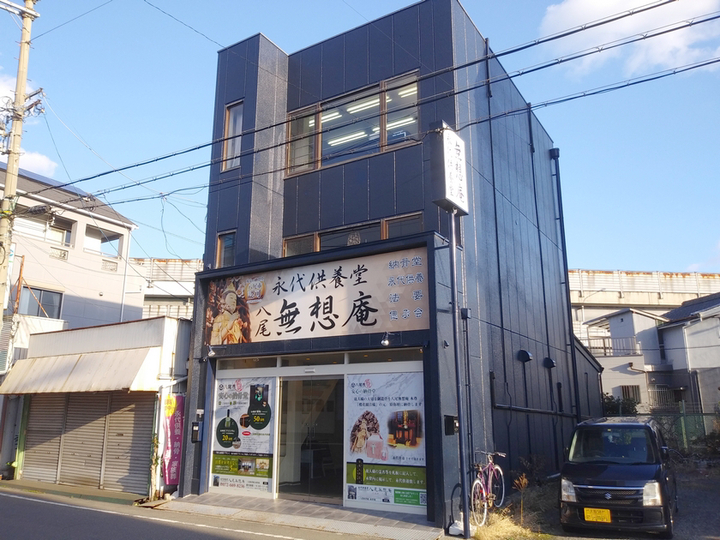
311,439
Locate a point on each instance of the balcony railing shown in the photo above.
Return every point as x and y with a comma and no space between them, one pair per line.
607,346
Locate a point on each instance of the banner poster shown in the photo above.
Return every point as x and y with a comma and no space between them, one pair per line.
243,433
173,424
378,293
385,439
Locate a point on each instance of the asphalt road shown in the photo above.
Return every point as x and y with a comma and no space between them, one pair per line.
34,516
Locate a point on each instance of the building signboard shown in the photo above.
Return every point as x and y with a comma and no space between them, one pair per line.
243,433
385,440
451,173
377,293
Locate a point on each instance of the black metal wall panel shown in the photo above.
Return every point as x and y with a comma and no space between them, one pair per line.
382,185
308,203
331,191
356,191
357,66
406,42
333,62
380,35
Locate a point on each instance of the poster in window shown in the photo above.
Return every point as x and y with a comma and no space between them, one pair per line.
243,433
385,440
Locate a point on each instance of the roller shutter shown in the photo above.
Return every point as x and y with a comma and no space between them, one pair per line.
83,441
46,419
129,442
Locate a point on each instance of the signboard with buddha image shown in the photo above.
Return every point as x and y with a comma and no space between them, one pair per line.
377,293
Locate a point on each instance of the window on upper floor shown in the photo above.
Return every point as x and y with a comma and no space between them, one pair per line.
233,130
102,241
46,226
352,236
359,124
40,303
225,250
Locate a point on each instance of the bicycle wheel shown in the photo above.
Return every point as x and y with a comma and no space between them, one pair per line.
478,504
496,486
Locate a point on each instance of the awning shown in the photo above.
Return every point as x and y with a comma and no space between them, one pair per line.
127,369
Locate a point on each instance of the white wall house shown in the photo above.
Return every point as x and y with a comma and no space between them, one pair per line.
68,263
665,360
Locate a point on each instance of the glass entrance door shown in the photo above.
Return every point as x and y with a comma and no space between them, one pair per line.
311,439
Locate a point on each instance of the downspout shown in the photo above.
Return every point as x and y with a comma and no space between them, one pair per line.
125,273
555,156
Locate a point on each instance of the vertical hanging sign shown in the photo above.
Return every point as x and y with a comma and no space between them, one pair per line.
452,175
174,411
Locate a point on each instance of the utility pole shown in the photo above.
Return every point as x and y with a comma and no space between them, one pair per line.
28,14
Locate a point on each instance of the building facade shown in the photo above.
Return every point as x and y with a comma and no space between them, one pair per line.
324,353
99,407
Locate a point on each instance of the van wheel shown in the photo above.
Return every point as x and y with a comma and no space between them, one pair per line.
669,524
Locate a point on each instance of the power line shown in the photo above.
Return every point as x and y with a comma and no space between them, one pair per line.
436,73
71,20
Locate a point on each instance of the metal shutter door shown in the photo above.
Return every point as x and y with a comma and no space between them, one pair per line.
46,418
82,443
129,442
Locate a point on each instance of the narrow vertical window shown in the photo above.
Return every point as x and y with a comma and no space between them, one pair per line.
226,249
233,129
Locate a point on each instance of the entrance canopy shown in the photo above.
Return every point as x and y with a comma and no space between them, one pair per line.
127,369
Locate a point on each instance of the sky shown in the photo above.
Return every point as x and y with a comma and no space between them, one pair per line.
130,80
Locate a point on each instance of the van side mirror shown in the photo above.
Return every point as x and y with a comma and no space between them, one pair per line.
664,453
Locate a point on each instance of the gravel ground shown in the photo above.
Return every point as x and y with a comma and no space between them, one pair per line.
698,518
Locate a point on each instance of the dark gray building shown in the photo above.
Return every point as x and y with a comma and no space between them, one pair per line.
324,361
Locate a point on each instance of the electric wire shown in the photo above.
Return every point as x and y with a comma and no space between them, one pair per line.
436,73
71,20
220,185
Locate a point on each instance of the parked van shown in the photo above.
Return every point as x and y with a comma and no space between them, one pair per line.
617,475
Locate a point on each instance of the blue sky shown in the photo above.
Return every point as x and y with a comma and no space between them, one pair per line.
135,79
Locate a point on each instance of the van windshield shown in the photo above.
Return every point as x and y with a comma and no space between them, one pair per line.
612,444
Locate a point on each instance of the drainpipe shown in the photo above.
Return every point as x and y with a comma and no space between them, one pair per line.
555,156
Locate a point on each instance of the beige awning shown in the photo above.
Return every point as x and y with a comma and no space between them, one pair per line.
128,369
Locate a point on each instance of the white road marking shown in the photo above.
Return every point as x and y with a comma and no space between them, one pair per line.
151,518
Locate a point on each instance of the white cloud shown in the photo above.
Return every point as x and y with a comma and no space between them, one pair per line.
36,162
696,43
30,161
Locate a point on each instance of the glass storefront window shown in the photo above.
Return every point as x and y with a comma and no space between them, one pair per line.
312,359
248,363
386,355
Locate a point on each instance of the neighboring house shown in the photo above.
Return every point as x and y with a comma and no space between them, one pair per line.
595,293
324,358
99,407
170,288
663,360
69,263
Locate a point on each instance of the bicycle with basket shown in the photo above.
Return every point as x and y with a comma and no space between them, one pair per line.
488,488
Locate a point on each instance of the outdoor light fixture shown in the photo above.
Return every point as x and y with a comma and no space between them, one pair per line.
549,362
385,341
211,353
524,356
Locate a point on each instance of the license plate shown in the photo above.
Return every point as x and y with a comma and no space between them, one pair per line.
601,515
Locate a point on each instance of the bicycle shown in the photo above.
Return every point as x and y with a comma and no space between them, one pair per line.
488,489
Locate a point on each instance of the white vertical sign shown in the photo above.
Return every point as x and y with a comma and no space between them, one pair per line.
455,171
